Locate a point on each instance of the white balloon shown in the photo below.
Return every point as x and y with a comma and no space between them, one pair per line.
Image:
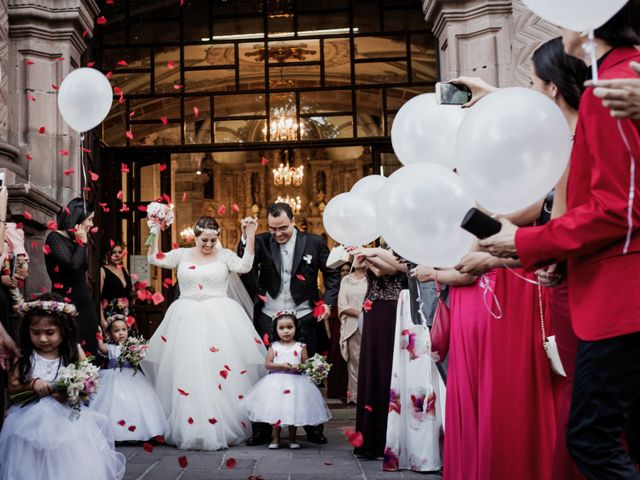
420,209
84,99
576,15
512,148
350,219
369,187
424,131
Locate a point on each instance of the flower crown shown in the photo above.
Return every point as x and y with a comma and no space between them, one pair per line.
284,313
211,231
49,306
114,318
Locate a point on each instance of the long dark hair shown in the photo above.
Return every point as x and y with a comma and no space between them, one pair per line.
76,212
553,65
68,349
108,251
274,327
623,29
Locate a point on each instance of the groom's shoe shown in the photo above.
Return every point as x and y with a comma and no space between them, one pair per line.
256,440
316,437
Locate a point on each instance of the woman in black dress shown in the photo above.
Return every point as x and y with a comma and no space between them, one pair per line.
66,262
116,288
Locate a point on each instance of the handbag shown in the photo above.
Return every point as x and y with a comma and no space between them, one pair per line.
441,329
549,343
338,256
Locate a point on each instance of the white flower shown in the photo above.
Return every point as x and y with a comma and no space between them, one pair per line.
307,258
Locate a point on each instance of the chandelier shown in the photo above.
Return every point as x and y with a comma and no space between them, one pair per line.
188,235
283,125
287,175
294,203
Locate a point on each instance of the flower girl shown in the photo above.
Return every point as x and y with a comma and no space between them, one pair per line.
44,439
285,397
126,395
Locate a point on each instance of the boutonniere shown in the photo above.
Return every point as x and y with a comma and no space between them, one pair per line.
307,258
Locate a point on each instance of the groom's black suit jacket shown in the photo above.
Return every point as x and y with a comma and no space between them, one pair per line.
309,256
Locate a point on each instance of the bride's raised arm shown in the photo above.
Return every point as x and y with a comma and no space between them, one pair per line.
155,257
244,264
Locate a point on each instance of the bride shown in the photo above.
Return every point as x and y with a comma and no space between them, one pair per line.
205,355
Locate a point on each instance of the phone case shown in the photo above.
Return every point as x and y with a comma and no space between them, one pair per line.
480,224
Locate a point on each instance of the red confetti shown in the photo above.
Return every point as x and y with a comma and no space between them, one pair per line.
287,391
30,62
125,208
167,282
130,321
196,112
368,408
129,134
190,421
122,63
164,339
235,207
166,198
69,172
222,210
214,349
27,215
63,152
265,339
51,225
354,438
117,90
122,423
59,59
182,392
159,438
182,461
219,387
177,87
160,255
42,130
264,161
213,421
124,168
147,447
227,367
174,245
164,120
162,167
85,32
91,64
191,267
132,428
243,372
300,277
263,298
58,286
119,195
55,87
184,197
224,373
101,20
231,463
28,157
132,113
319,309
85,150
31,97
94,176
34,244
171,64
108,74
366,306
157,298
278,423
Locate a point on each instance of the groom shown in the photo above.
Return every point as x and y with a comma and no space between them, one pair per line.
285,277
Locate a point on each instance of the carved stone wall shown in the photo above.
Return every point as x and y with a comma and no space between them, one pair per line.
4,69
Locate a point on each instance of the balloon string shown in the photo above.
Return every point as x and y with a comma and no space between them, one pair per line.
84,174
632,183
528,280
485,284
590,47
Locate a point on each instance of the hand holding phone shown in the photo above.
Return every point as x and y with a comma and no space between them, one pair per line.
452,94
480,224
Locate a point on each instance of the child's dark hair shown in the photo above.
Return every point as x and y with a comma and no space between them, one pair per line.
116,318
274,325
68,349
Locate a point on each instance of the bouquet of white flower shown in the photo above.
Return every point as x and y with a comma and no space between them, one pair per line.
75,384
316,368
132,352
159,217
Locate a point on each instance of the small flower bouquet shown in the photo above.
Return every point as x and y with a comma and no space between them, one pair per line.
316,368
75,385
133,351
159,217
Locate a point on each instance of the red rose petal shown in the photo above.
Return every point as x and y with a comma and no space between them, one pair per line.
94,176
182,461
29,62
69,172
159,438
157,298
164,120
287,391
99,336
55,87
160,255
227,367
222,210
223,373
180,391
122,423
220,387
263,298
191,267
122,63
91,64
265,339
171,64
196,112
101,20
132,428
177,87
213,421
42,130
368,408
190,421
366,306
231,463
214,349
147,447
235,207
277,424
124,168
258,341
162,167
184,197
264,161
27,215
243,372
129,134
354,438
300,277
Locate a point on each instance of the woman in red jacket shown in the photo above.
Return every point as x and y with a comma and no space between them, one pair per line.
599,238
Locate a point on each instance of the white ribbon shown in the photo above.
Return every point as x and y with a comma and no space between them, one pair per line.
632,192
485,284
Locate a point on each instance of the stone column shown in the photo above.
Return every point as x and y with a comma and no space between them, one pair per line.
491,39
46,43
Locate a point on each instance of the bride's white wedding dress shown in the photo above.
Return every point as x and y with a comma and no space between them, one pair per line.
205,355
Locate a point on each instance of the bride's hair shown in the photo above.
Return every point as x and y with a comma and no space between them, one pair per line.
205,223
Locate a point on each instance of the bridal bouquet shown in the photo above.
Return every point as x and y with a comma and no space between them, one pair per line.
132,352
75,385
316,368
159,217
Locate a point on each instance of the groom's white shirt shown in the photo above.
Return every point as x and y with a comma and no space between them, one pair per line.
284,300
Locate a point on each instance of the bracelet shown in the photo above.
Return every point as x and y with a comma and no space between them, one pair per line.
33,382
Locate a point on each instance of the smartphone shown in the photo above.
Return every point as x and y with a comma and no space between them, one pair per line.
480,224
1,179
452,94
